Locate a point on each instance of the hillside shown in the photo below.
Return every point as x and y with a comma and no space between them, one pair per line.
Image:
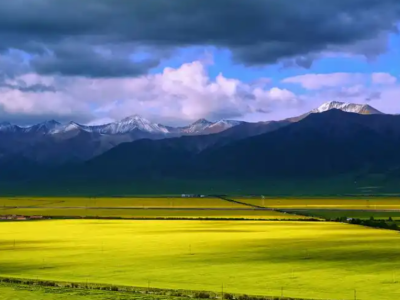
328,144
315,147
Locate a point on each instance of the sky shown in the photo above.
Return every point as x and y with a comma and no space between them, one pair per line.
173,62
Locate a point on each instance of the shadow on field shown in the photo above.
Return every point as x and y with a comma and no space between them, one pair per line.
204,231
362,253
18,269
29,245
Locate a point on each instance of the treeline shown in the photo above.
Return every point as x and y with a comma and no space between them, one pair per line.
311,217
165,218
371,222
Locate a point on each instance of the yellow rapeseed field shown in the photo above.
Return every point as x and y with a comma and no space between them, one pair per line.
135,208
326,203
317,260
119,202
151,213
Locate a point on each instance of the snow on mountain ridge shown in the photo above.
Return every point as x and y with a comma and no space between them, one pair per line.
5,124
230,123
8,127
204,126
43,127
131,123
346,107
197,126
202,121
67,127
126,125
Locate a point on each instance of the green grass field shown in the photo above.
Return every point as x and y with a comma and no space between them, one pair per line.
339,186
35,292
19,292
304,259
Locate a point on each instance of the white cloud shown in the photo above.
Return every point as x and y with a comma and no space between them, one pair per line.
184,94
17,99
320,81
380,90
389,100
383,78
176,95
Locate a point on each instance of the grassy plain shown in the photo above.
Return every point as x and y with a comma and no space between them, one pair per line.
15,292
285,187
326,203
299,259
34,292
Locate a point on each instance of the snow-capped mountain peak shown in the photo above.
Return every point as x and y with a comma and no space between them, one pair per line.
71,126
227,123
347,107
50,123
204,126
202,122
131,123
43,127
196,127
5,124
65,128
222,125
135,118
8,127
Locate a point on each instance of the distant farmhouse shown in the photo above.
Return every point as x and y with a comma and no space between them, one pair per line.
192,196
20,218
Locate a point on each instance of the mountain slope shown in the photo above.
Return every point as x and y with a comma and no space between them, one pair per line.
323,144
52,143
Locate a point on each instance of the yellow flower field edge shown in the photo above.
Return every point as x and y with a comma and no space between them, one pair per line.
27,218
133,202
114,290
325,203
226,213
303,258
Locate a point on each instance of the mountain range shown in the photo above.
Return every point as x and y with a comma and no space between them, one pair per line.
334,139
53,143
318,144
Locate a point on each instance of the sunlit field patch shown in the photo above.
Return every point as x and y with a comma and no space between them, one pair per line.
326,203
299,259
119,202
152,213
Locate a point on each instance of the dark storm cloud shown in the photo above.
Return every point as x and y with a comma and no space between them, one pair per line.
257,32
34,88
85,61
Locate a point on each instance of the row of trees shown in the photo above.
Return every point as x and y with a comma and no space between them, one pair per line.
371,222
